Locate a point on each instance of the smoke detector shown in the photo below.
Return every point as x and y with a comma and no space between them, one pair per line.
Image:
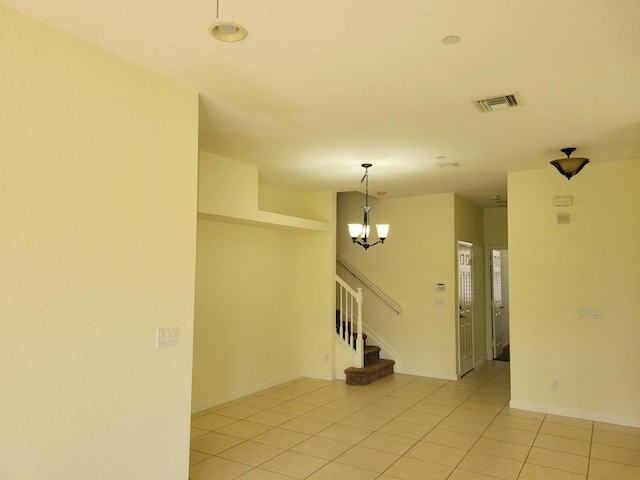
498,103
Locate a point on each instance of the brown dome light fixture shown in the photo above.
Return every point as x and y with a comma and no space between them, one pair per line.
569,166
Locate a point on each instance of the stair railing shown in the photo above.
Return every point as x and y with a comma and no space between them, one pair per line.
349,319
385,298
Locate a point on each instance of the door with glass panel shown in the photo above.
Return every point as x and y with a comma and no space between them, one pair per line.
500,304
465,308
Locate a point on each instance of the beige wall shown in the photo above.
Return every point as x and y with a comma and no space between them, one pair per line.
264,284
495,227
98,171
244,333
419,252
309,205
555,270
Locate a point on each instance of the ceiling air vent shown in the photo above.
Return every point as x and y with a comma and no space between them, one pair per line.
498,103
448,165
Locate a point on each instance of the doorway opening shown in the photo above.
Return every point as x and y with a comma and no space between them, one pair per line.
465,308
500,304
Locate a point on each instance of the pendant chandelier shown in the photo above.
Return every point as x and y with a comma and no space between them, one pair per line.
359,233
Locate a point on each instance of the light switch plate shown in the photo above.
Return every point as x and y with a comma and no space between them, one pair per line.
564,201
166,337
590,312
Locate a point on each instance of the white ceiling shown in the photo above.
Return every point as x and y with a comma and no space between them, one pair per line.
319,87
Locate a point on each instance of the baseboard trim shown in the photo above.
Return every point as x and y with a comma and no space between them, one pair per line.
570,412
420,373
242,393
316,376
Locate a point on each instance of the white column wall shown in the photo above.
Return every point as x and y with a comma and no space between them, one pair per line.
98,189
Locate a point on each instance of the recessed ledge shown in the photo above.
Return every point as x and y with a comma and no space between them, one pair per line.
270,220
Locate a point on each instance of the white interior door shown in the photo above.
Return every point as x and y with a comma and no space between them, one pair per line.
500,300
465,310
496,303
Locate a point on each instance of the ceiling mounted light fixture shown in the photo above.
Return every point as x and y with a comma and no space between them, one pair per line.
569,166
451,40
226,31
359,233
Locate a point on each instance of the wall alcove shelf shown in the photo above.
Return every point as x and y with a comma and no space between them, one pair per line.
269,220
256,203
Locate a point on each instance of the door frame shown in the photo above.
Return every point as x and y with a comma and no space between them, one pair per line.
468,245
488,296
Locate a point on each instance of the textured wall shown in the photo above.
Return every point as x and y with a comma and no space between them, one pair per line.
495,227
98,179
264,284
419,252
557,269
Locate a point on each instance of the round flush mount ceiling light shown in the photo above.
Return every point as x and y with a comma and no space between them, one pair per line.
451,40
228,32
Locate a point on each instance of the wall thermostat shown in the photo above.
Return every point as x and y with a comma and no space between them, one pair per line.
440,287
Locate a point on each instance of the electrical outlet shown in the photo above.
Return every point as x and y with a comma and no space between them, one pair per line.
326,357
555,385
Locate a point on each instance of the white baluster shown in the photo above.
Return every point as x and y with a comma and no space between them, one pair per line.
359,341
351,321
342,294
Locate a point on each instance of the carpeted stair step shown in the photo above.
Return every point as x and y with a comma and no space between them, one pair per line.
369,373
371,354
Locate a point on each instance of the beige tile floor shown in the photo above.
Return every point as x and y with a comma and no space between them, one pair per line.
404,427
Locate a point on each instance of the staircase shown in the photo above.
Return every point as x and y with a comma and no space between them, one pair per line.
368,364
374,368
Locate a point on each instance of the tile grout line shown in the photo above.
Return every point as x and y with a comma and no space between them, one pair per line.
479,436
390,394
593,426
531,446
297,416
486,381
